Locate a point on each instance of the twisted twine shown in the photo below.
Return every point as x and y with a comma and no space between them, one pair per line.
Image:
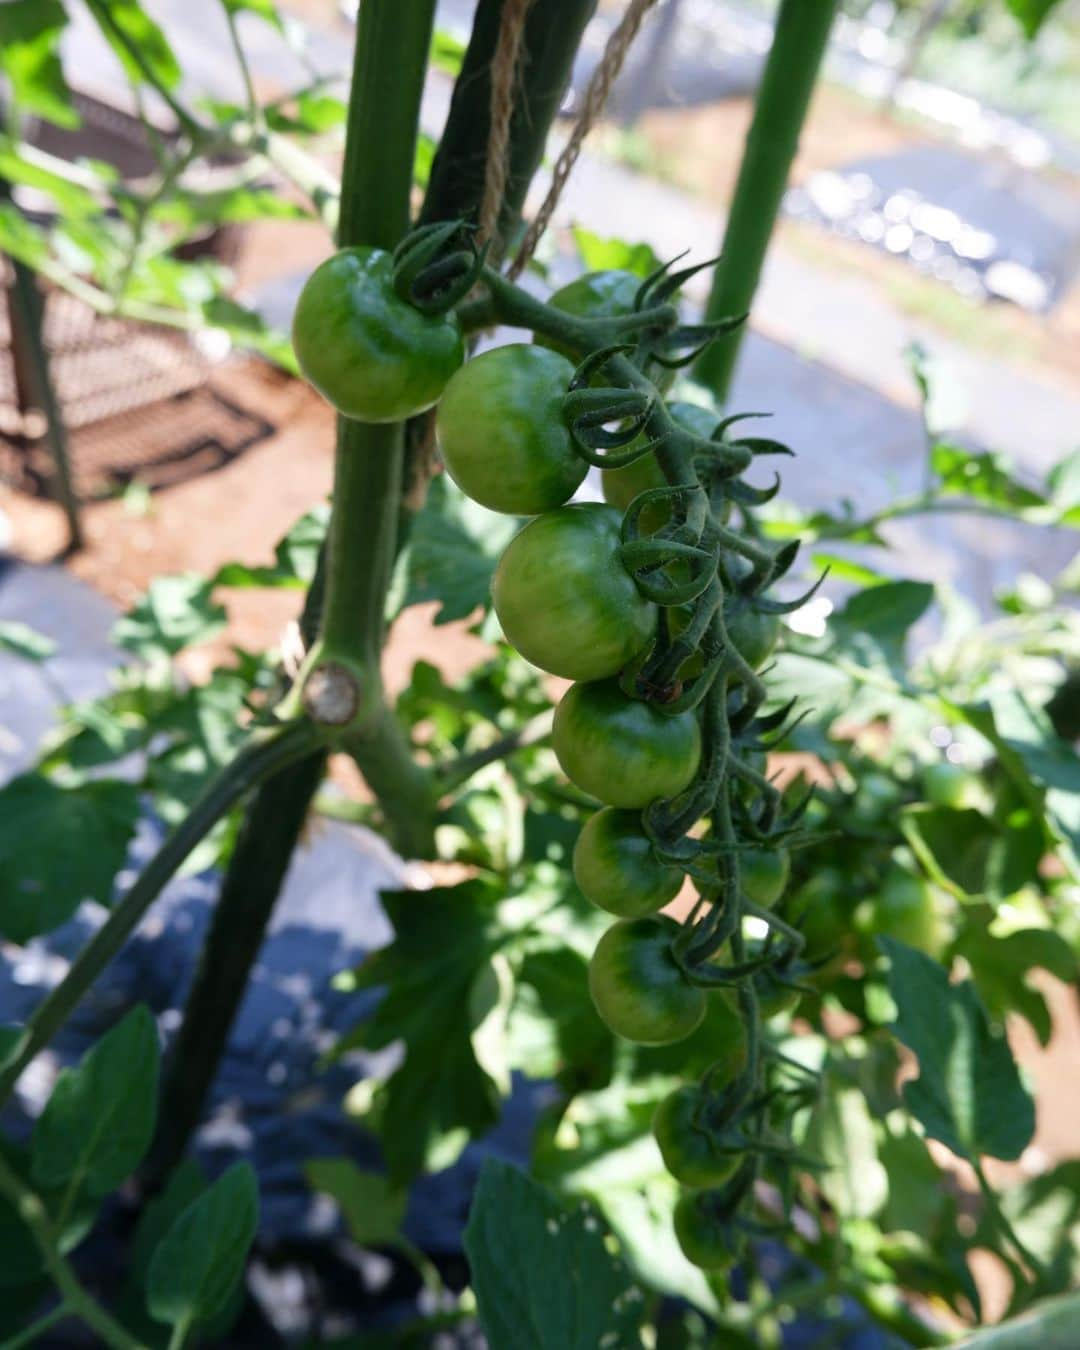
504,73
596,96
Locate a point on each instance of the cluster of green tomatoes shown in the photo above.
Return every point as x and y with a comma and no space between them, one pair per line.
645,605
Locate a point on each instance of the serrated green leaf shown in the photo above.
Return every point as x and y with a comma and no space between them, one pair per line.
21,640
542,1274
554,1026
58,847
139,44
296,557
874,624
264,9
374,1209
916,1199
599,254
956,844
847,569
968,1093
25,242
440,1096
248,329
1001,968
29,56
1031,14
453,547
841,1134
99,1119
176,612
73,199
447,52
1033,756
198,1263
185,1184
188,210
983,476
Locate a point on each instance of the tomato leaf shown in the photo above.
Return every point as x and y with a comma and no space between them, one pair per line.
874,624
968,1094
264,9
99,1120
1031,14
841,1134
176,612
29,57
440,1096
58,847
373,1208
984,476
453,547
295,557
542,1273
600,255
198,1263
1001,968
554,1026
128,29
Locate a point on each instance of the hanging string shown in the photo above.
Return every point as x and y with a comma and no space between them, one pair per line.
504,73
596,97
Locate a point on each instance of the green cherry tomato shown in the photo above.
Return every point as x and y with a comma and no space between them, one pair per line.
694,1154
372,355
876,796
763,874
753,635
702,1235
819,912
952,785
906,907
637,986
623,752
616,868
499,426
565,600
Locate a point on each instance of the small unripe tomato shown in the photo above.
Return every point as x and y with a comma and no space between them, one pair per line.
372,355
763,874
754,635
623,751
907,907
616,868
695,1153
500,429
564,598
702,1234
638,987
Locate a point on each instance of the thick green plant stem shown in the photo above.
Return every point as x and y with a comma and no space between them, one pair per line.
245,904
802,32
346,601
264,754
384,107
29,310
552,37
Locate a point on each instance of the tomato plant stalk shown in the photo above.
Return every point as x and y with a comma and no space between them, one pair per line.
802,33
